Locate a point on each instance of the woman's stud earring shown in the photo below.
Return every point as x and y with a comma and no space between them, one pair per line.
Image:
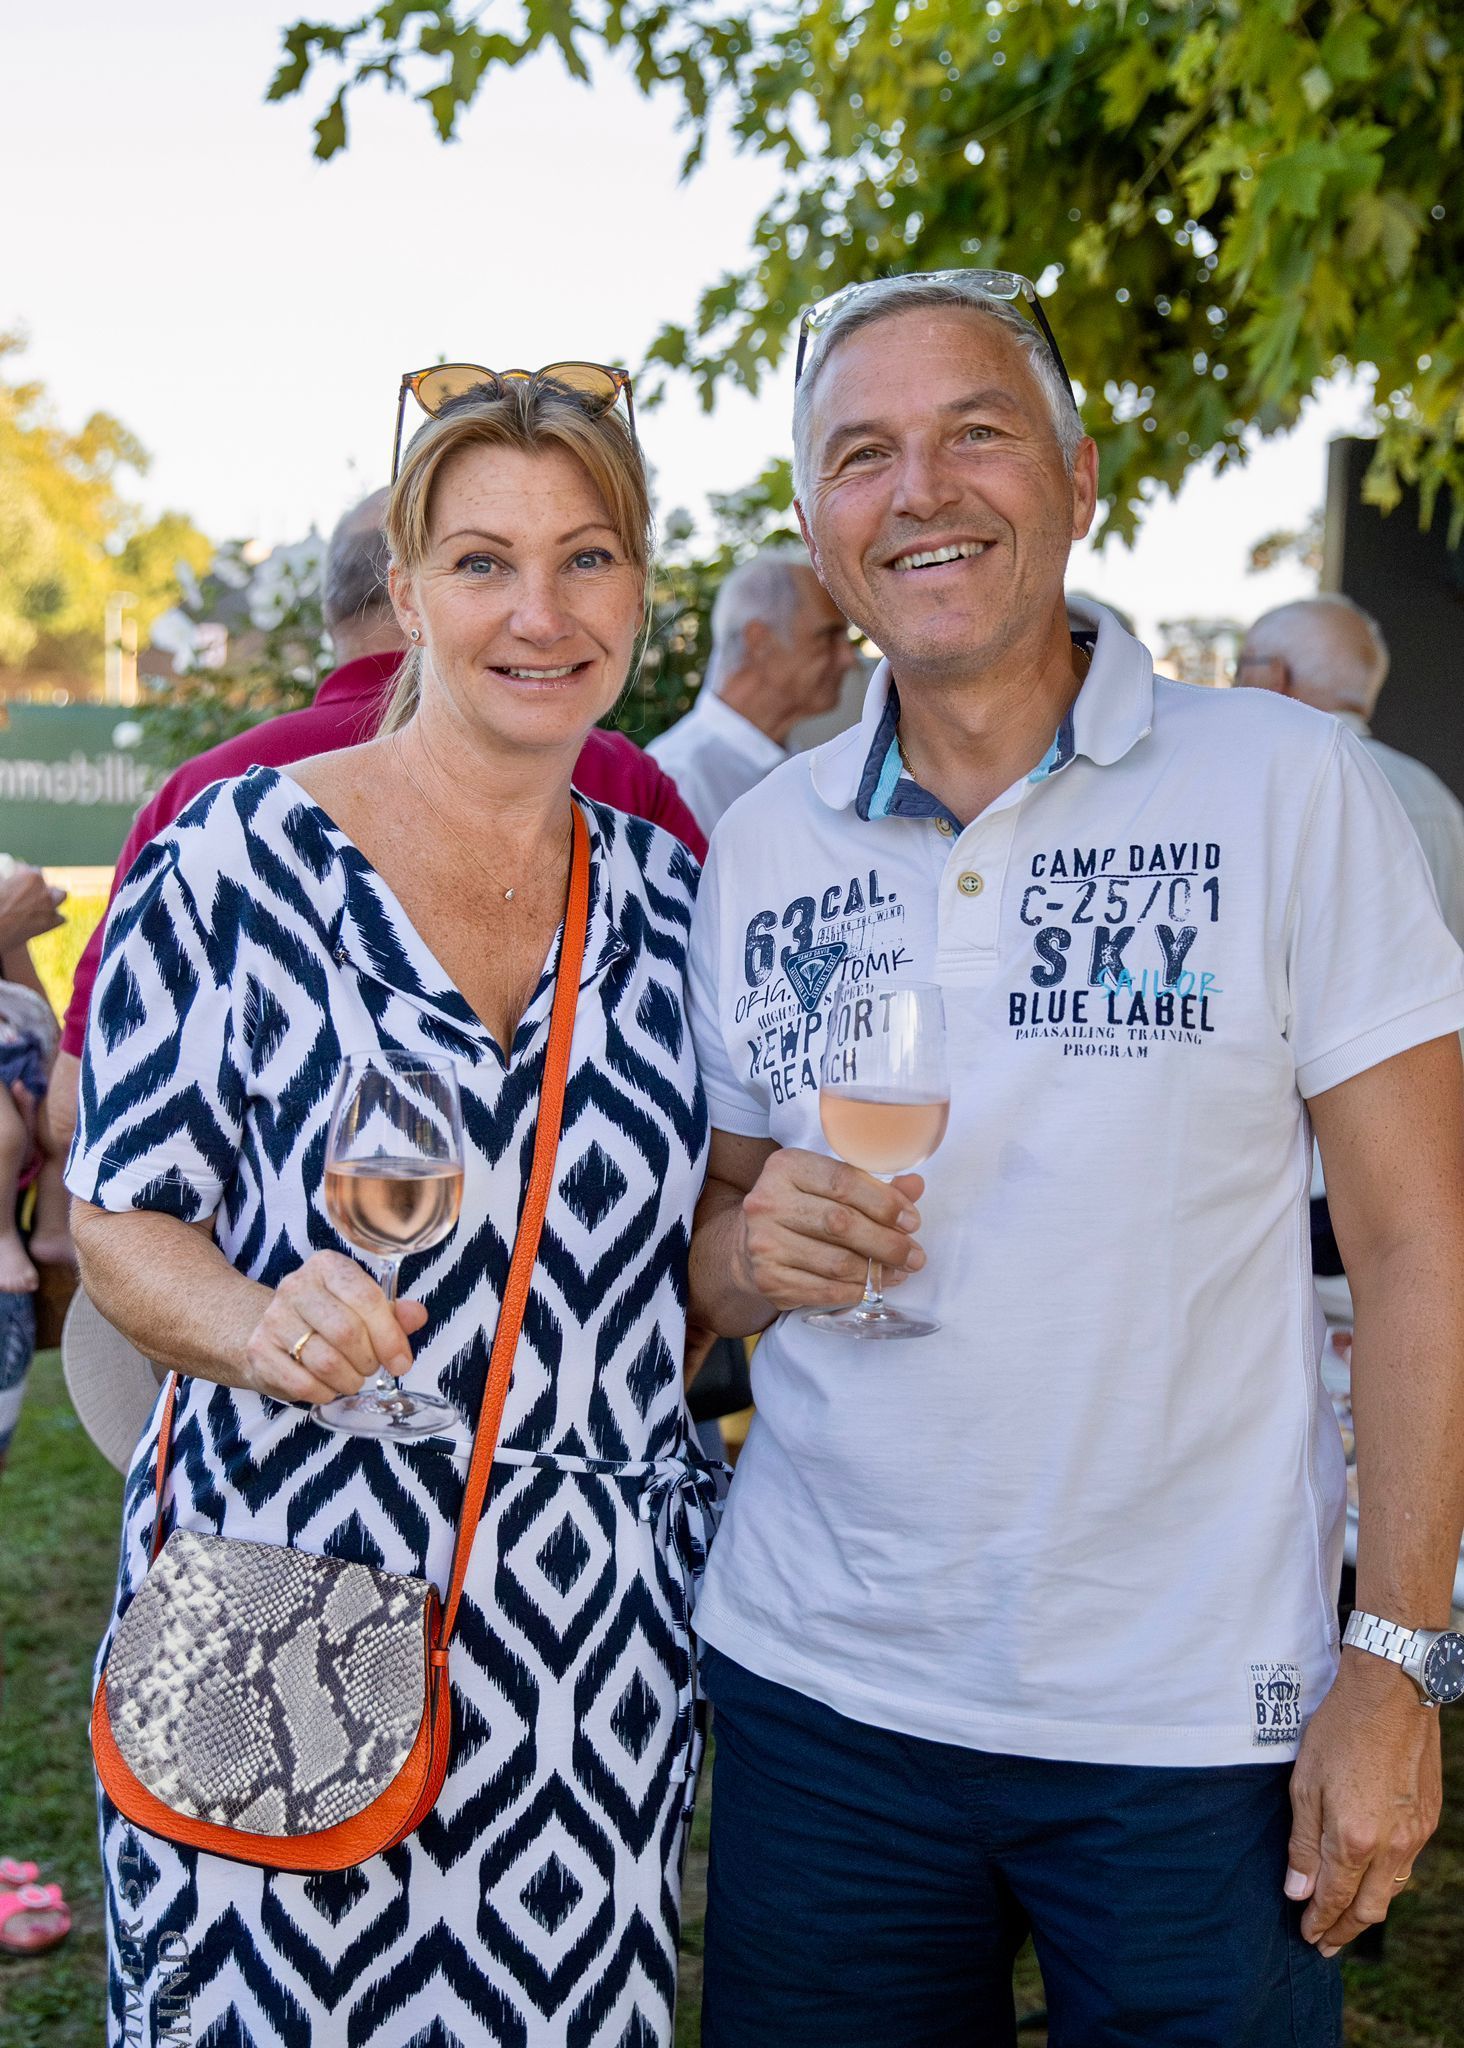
415,634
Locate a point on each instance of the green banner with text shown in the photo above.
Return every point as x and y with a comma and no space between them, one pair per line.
72,778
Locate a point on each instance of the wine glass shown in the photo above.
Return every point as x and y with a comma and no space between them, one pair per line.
394,1185
884,1102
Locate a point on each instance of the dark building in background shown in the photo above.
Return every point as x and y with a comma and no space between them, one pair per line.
1413,584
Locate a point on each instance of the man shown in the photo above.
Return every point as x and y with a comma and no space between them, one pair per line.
1023,1624
1329,653
780,653
368,641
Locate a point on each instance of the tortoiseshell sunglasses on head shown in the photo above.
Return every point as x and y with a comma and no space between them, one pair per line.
595,385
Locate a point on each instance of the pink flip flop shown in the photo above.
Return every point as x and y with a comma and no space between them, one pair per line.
24,1914
13,1873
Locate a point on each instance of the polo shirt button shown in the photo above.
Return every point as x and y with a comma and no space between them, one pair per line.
970,884
944,826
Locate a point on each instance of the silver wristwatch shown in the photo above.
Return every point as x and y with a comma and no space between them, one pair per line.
1432,1657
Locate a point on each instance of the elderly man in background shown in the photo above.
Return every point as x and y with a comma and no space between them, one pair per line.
1329,653
1029,1625
369,647
780,654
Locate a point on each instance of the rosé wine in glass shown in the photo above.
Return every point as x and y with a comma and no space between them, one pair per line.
394,1185
884,1103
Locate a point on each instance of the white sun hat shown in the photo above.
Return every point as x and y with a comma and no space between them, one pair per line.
113,1388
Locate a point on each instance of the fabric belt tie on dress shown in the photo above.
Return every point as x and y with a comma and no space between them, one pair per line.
682,1501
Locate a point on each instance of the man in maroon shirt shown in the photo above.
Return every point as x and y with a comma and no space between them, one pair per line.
365,634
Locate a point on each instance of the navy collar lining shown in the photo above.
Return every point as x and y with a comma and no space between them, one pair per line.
887,789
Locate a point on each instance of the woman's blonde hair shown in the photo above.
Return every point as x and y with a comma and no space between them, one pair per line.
532,417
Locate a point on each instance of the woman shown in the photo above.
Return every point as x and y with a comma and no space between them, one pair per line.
408,893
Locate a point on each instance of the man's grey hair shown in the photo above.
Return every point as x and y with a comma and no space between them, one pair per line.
356,564
1335,651
888,295
766,588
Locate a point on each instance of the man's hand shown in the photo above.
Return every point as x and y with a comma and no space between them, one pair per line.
1365,1797
810,1226
28,907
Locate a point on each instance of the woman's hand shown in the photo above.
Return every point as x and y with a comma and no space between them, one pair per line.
810,1226
353,1330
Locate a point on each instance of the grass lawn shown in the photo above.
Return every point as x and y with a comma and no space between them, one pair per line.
60,1504
59,1508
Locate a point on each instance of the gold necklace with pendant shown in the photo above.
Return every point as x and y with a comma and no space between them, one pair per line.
449,827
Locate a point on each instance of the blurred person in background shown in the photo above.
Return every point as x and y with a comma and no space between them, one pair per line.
1329,653
29,906
33,1916
348,706
780,654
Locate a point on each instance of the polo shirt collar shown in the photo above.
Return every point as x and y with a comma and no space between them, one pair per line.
1113,710
364,679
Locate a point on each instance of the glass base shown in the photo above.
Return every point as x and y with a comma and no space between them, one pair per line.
872,1323
394,1415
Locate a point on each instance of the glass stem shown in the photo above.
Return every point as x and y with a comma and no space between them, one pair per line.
384,1386
873,1287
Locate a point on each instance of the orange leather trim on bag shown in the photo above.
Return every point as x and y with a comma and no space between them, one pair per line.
412,1794
390,1818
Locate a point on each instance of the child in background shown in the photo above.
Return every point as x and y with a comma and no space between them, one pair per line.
28,1035
33,1916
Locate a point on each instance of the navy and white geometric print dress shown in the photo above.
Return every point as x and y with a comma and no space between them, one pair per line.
251,946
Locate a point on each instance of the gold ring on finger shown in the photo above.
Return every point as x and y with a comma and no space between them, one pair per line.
300,1342
1404,1878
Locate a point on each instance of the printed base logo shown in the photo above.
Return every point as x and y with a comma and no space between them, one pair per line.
811,972
1275,1703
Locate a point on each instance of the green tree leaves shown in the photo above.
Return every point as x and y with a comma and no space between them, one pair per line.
279,651
1226,199
69,539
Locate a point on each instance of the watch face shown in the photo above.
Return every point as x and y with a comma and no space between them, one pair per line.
1443,1669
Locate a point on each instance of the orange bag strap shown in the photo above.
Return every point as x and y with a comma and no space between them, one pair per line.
525,1248
160,1479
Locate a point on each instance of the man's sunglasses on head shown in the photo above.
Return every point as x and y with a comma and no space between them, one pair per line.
595,385
995,284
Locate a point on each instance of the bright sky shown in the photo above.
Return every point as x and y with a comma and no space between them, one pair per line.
178,258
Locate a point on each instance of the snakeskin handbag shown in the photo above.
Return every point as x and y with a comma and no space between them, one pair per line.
293,1711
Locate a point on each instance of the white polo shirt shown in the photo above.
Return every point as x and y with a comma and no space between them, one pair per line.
1099,1516
714,756
1434,812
